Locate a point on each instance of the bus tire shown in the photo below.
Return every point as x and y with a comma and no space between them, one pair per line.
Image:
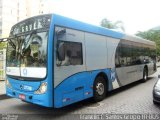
155,103
99,89
145,75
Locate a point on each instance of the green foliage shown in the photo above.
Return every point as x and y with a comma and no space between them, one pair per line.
3,45
1,72
112,25
153,35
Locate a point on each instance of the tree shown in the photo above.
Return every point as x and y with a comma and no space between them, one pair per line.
153,35
3,45
112,25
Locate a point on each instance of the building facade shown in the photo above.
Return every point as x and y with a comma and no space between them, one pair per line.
13,11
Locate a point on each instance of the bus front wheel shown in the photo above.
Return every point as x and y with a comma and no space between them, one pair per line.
99,89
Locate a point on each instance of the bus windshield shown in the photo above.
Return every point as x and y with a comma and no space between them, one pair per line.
27,54
27,48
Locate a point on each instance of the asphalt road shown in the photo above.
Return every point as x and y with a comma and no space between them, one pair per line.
135,98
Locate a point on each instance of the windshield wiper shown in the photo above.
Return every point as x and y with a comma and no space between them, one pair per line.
27,40
11,43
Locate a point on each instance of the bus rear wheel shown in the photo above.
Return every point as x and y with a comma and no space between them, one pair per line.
145,75
99,89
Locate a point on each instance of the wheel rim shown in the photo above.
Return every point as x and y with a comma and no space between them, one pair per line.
100,88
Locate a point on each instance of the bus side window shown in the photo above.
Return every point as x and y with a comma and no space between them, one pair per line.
118,56
73,54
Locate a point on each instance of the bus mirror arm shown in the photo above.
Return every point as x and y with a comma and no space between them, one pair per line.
60,52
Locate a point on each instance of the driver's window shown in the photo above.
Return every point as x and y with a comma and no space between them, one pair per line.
72,54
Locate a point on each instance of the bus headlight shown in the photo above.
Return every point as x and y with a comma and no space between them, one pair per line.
8,83
42,89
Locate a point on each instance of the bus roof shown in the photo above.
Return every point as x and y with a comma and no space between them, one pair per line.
138,39
71,23
75,24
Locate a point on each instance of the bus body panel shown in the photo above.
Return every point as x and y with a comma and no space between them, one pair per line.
127,75
112,44
78,87
97,53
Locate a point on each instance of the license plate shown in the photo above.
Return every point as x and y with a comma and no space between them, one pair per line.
21,96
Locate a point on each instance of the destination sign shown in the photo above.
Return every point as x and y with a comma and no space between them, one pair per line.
31,24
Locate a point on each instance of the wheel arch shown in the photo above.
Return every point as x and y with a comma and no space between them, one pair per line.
146,67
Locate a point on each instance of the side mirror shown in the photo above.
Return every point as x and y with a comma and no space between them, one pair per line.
61,51
158,76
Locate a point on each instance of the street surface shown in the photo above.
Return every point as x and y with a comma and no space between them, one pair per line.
135,98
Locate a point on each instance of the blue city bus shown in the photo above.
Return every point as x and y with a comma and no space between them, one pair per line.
54,61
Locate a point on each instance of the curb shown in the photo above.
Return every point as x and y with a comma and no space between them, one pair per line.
4,96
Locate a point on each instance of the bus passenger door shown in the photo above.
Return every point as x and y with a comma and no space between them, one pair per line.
69,63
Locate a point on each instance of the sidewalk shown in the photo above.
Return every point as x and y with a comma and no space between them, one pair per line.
2,87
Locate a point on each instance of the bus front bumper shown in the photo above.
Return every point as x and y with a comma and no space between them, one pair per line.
30,97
